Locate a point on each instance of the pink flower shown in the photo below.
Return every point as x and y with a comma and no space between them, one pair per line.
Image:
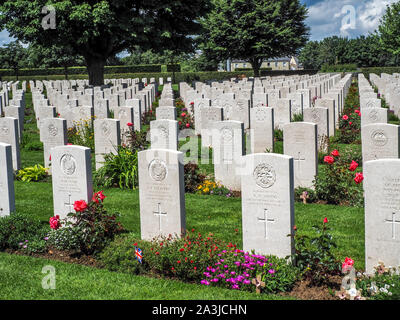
55,222
345,117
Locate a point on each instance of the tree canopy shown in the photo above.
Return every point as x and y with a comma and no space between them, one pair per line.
389,29
255,30
364,51
98,30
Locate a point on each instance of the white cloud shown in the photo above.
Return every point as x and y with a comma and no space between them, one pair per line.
348,18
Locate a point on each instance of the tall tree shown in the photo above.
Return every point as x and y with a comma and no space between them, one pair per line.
389,29
98,30
255,30
13,56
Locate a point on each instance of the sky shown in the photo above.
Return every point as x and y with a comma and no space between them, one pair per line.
347,18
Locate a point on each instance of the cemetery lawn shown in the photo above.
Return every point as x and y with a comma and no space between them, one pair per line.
21,278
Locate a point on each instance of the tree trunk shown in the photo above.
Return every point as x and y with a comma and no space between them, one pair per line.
256,64
95,68
66,72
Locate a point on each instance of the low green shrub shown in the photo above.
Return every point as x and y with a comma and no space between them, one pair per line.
203,259
119,170
18,232
383,285
193,177
314,254
35,173
82,134
339,181
89,229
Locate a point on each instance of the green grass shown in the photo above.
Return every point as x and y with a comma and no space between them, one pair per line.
21,278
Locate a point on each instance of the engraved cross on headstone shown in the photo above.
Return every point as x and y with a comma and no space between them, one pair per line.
265,221
393,222
299,159
69,204
159,214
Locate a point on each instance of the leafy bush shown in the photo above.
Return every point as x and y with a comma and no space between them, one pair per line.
35,173
64,239
339,182
203,259
91,227
185,120
18,231
136,141
313,255
32,145
210,187
119,170
279,275
193,177
383,285
82,134
350,120
298,117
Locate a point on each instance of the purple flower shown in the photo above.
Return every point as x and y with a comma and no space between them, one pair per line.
235,287
20,244
271,271
26,241
246,282
25,246
47,238
205,282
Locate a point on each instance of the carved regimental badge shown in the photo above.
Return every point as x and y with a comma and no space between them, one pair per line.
68,164
379,138
264,175
158,170
53,131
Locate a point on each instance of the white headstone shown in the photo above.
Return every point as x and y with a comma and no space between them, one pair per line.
268,204
161,193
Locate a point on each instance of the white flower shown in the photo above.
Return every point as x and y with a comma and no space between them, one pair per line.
353,292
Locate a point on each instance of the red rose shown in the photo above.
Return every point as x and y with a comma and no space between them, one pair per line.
98,195
329,160
326,220
345,117
335,153
55,222
50,158
353,166
350,123
187,125
180,122
183,115
359,178
129,124
80,205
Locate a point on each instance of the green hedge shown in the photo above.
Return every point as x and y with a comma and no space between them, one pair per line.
81,70
173,68
250,69
179,76
339,68
380,70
